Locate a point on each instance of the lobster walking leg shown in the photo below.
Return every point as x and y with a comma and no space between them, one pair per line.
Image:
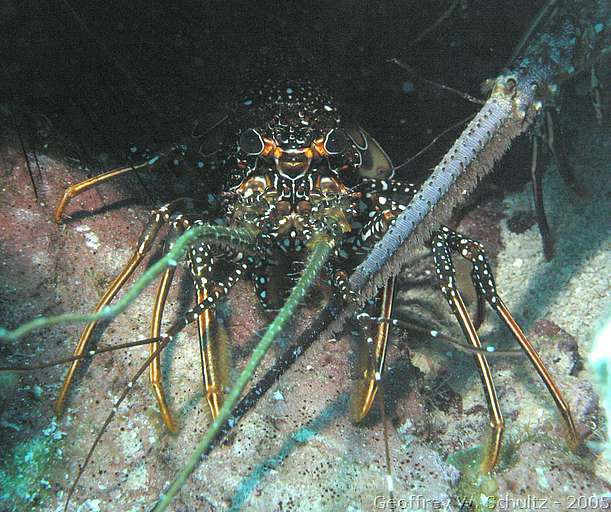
156,221
561,403
372,354
78,188
213,381
497,424
81,346
444,242
212,341
155,375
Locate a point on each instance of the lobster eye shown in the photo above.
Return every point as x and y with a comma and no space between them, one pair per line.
335,142
251,142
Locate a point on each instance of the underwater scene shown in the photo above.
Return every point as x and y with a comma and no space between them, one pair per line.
305,256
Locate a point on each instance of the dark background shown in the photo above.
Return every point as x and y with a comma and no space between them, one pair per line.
87,79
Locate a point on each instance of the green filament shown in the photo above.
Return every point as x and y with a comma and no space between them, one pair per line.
321,248
239,238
